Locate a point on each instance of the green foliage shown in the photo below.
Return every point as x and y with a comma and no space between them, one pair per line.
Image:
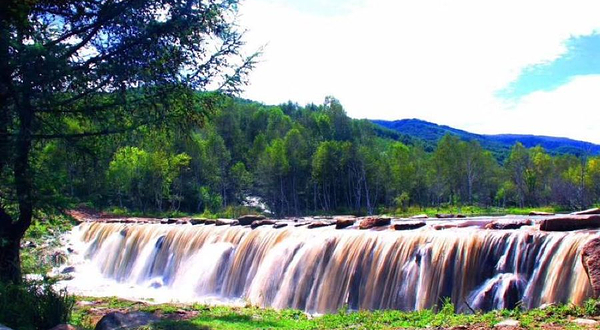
309,160
34,305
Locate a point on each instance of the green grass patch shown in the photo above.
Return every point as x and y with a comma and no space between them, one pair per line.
249,317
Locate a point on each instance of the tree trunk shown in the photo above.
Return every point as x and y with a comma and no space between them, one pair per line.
10,241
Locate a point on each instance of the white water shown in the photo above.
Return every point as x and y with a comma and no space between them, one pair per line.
320,270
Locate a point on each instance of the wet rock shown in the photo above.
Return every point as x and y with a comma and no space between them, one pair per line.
258,223
420,216
595,210
319,224
585,322
197,221
540,213
226,222
507,323
121,321
64,327
171,221
182,222
342,223
371,222
590,257
570,222
210,221
303,223
280,225
248,219
164,221
408,225
508,224
68,270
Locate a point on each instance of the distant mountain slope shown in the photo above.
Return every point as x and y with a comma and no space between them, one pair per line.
500,144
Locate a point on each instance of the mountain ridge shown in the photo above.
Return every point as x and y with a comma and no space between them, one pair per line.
499,144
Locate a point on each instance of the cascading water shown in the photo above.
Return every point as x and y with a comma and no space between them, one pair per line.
321,270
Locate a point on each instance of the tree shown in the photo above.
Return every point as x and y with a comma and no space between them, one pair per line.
111,66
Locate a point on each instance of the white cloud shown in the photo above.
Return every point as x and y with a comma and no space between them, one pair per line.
437,60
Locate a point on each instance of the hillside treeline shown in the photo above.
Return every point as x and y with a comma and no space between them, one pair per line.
301,160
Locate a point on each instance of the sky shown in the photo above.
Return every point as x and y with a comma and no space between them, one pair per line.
489,67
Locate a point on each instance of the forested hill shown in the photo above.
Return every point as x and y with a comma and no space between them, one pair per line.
499,144
303,160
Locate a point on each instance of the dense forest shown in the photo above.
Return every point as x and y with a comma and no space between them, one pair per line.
301,160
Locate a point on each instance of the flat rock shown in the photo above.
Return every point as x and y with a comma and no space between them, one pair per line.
319,224
420,216
371,222
508,224
594,210
258,223
570,222
408,225
210,221
540,213
341,223
247,219
588,322
279,225
226,222
122,321
507,323
590,257
197,221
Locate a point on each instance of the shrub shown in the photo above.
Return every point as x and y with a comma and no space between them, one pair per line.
34,305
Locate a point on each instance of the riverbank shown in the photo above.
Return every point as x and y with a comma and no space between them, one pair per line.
89,311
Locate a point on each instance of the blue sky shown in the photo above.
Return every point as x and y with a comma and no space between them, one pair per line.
582,58
508,66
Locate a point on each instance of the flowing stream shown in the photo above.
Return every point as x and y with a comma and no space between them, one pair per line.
321,270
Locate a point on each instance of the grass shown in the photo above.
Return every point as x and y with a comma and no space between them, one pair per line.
249,317
473,210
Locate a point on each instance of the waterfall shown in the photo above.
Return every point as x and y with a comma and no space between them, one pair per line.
320,270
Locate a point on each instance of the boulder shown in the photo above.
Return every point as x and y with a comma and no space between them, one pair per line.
508,224
3,327
341,223
371,222
210,221
247,219
182,222
420,216
171,220
258,223
590,257
585,322
280,225
122,321
595,210
507,323
320,223
408,225
197,221
226,222
532,213
570,222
